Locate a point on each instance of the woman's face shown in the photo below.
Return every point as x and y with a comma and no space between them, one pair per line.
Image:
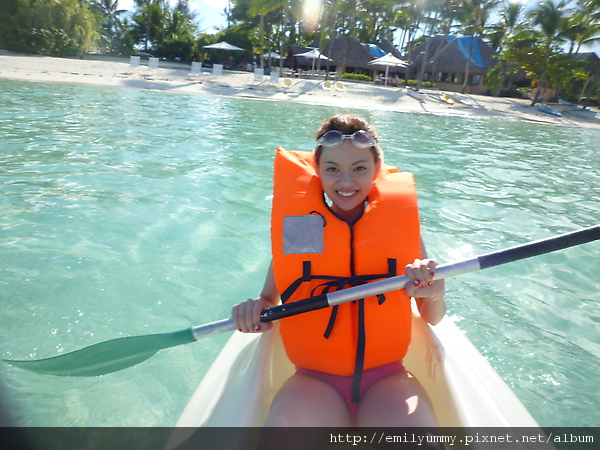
347,174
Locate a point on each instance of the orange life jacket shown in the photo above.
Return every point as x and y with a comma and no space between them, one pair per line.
315,251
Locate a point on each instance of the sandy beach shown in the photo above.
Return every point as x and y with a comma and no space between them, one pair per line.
175,78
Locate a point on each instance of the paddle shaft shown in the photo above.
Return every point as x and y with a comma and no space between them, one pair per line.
399,282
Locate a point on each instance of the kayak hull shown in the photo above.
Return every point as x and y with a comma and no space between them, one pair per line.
464,389
548,110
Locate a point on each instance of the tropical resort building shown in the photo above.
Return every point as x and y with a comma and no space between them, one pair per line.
442,58
446,61
347,55
592,59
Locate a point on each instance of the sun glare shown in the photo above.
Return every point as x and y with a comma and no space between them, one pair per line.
311,12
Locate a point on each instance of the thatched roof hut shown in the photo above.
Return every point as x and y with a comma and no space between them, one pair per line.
450,54
301,61
446,61
589,57
387,46
346,54
347,51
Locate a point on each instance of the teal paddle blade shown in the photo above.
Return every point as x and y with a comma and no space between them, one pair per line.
106,357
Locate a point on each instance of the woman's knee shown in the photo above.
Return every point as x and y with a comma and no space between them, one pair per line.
306,401
398,400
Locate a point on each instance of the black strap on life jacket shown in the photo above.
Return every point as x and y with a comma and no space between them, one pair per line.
336,283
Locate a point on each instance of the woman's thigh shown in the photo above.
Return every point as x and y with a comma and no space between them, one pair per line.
397,400
304,401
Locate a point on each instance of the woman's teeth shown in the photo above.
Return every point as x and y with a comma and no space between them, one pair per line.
347,194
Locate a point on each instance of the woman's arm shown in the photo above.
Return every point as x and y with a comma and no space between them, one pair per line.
429,294
246,315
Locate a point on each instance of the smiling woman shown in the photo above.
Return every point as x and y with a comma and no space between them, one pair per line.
349,358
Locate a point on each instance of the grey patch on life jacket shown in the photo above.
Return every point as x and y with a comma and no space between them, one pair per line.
303,234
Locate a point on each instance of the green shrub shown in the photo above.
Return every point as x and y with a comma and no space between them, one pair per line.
356,77
424,84
512,93
182,48
52,41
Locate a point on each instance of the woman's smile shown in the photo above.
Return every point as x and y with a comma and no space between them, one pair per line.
346,194
347,174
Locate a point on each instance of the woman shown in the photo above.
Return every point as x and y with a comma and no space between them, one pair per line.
341,217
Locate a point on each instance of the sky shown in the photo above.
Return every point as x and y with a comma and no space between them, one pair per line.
210,12
212,16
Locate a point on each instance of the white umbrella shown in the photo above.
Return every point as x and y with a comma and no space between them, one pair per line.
388,61
223,46
313,54
273,55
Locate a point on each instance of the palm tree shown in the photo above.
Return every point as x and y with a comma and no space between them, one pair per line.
416,14
430,8
475,14
551,19
110,12
288,8
510,22
503,34
447,17
148,5
585,23
591,7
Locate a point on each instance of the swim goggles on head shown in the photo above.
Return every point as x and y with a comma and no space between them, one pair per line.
335,138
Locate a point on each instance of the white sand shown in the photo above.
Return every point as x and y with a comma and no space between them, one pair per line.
241,84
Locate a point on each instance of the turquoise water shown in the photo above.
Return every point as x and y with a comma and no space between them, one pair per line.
129,212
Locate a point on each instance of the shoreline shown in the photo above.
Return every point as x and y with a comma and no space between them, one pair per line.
241,84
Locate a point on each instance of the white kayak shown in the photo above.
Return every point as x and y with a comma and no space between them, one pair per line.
465,390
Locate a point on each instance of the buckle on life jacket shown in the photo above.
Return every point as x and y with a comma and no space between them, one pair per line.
336,283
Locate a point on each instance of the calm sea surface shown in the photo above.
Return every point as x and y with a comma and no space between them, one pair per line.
127,212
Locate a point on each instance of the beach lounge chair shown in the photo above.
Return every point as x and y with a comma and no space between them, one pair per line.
196,70
327,85
152,63
339,86
152,66
274,78
217,70
134,64
259,76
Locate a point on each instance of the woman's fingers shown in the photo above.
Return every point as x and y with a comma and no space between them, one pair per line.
246,316
422,270
421,273
242,316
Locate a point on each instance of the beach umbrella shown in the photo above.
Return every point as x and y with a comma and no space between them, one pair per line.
313,54
273,55
388,61
223,46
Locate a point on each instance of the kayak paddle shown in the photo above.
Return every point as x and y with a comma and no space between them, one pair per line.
117,354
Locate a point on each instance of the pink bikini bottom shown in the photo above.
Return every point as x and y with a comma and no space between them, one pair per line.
344,384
